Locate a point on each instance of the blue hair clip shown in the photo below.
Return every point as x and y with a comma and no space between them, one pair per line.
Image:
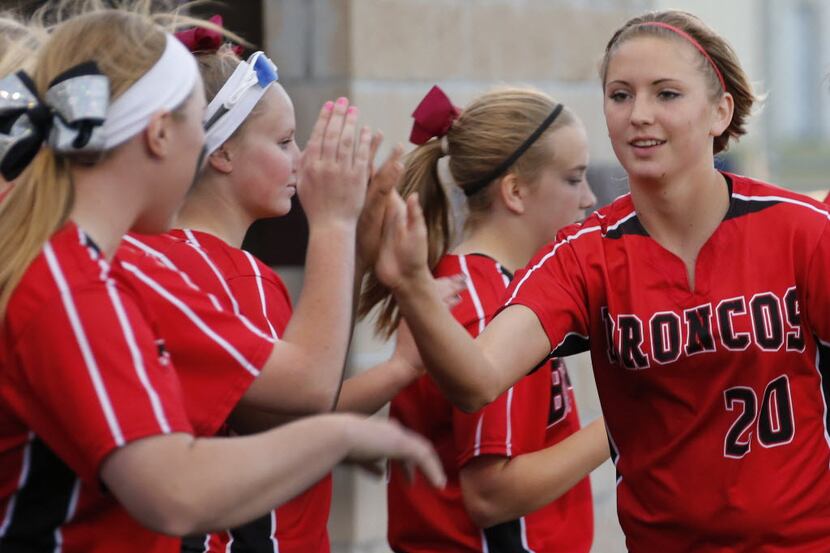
266,71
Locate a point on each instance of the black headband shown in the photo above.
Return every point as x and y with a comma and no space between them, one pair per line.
511,159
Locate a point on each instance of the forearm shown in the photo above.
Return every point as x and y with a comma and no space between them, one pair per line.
370,390
515,487
459,367
320,328
191,485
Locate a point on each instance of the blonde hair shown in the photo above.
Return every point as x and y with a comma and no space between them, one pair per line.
721,53
125,43
489,130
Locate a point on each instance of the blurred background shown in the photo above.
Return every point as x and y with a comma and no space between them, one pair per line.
385,54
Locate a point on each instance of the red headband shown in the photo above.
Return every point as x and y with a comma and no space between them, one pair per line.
200,39
433,117
692,41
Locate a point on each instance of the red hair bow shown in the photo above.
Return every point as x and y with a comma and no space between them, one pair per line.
199,39
433,117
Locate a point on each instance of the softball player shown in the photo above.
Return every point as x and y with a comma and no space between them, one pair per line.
253,171
88,392
504,489
702,297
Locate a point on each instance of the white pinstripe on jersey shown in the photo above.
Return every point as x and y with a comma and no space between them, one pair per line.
462,260
21,481
197,247
258,276
193,317
164,260
138,360
83,343
508,441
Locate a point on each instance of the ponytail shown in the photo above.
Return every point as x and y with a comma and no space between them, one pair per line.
421,177
29,215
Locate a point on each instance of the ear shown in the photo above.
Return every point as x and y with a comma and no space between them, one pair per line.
157,134
220,160
512,193
722,115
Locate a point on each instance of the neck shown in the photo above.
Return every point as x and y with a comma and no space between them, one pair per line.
504,239
681,213
109,198
210,209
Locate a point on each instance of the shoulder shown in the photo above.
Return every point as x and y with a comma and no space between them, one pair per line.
750,196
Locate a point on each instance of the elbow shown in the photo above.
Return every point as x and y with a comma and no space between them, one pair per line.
171,517
475,400
483,511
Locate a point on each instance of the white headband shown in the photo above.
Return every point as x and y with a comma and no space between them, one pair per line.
237,98
163,88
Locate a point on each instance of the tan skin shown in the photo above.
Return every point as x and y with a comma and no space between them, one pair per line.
674,185
523,217
175,483
253,175
680,198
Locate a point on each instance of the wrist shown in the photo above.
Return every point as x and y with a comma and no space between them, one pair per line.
416,284
333,228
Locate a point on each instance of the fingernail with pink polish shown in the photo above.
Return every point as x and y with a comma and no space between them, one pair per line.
328,106
342,101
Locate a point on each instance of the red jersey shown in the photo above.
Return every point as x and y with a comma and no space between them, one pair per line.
537,412
84,372
256,294
715,398
217,353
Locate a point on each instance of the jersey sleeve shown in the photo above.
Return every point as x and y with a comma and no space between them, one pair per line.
89,377
485,432
816,296
553,287
489,430
264,299
217,352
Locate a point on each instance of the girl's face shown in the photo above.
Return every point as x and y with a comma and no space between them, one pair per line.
561,193
659,109
265,157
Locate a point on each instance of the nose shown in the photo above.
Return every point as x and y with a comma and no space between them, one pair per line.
587,200
641,110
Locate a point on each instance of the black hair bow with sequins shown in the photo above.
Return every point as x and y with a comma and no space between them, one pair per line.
69,119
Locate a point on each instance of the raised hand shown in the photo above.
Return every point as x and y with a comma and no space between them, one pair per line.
370,224
334,170
403,250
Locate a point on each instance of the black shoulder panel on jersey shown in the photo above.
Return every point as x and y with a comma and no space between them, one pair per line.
739,207
505,538
631,226
823,359
571,345
253,537
41,505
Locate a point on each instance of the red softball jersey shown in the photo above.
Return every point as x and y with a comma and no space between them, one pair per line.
537,412
217,352
715,397
256,294
84,372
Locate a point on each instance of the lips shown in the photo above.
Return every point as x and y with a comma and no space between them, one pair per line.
646,142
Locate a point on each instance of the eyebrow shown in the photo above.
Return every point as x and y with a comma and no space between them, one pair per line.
653,83
579,168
